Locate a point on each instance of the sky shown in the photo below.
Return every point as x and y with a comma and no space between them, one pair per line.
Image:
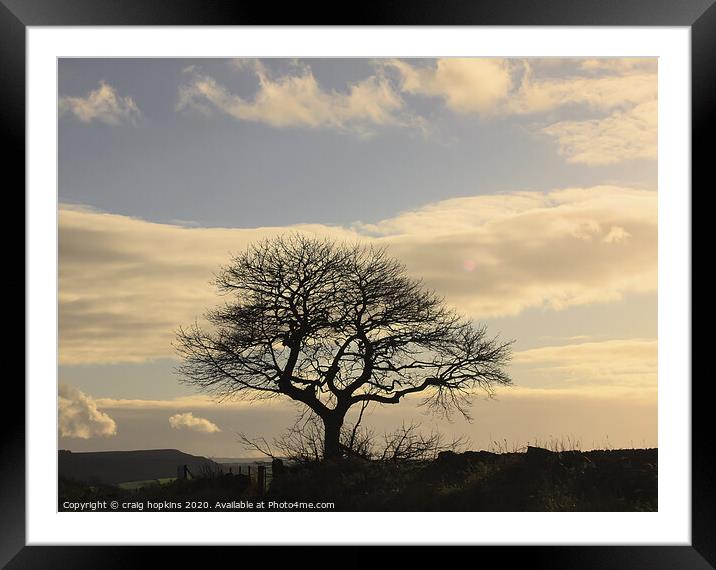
523,190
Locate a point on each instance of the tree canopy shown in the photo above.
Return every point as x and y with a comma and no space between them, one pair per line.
332,325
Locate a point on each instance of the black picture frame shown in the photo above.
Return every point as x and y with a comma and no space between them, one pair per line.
698,15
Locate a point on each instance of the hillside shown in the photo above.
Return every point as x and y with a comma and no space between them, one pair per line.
113,467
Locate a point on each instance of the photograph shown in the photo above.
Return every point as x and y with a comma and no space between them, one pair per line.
420,276
357,284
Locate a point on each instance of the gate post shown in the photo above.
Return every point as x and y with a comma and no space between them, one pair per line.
261,479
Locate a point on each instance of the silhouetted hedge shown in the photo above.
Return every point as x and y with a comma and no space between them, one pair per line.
538,480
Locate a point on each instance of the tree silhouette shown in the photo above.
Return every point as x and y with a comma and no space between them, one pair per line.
332,326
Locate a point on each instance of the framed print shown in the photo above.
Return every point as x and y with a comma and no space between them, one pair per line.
422,277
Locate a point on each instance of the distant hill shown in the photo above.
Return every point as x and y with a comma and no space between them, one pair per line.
121,466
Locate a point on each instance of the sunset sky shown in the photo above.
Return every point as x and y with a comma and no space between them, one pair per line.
523,190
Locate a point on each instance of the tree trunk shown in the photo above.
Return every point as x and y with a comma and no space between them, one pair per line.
332,445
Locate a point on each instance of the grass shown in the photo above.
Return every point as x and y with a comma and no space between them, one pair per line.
135,485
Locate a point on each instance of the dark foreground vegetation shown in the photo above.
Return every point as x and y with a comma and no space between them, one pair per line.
535,480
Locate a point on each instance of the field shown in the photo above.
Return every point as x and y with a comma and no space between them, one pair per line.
136,485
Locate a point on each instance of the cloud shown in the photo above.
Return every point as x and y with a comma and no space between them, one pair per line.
627,364
496,86
616,235
103,105
620,64
614,415
623,91
527,386
146,279
490,256
603,93
79,416
198,401
624,135
530,249
189,421
297,100
467,85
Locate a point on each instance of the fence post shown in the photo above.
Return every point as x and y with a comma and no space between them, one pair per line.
261,478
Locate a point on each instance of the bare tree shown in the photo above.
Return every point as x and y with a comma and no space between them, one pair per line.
408,443
304,442
333,326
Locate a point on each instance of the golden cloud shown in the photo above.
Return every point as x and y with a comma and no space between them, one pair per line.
624,135
126,284
622,364
199,401
297,100
103,105
467,85
624,88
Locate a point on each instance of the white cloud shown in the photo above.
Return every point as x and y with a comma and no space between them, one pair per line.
102,104
624,135
189,421
297,100
489,255
79,416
